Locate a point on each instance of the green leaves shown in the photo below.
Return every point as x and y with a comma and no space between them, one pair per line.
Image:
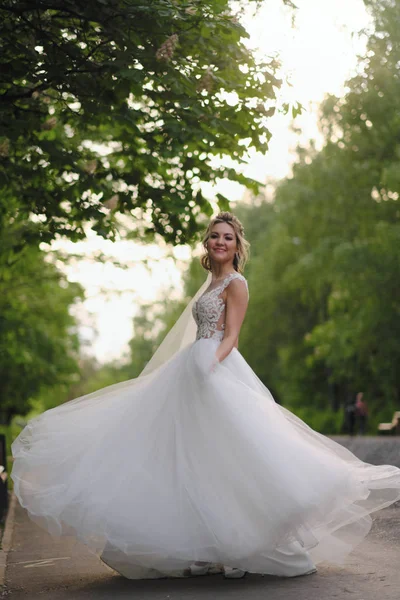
142,81
323,321
38,341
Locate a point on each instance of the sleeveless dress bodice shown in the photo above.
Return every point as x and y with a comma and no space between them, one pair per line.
209,310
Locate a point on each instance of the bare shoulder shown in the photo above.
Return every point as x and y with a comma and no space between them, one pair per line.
237,287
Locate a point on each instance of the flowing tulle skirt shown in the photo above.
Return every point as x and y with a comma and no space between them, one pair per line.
182,465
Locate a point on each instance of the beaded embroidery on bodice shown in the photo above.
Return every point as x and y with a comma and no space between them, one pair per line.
209,309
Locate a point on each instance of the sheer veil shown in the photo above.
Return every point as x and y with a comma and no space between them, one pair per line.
182,334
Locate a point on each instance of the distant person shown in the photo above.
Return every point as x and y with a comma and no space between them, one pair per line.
350,412
361,413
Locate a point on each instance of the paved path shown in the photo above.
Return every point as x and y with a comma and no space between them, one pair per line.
377,450
42,568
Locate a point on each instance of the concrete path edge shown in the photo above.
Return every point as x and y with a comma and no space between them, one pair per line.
7,538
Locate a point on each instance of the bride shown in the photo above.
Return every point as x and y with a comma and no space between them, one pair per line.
192,467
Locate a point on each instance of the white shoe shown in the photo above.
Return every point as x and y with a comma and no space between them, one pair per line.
310,572
200,569
232,573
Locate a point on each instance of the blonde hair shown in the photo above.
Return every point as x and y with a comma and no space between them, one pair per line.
242,253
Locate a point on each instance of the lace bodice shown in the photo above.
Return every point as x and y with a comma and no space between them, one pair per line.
209,310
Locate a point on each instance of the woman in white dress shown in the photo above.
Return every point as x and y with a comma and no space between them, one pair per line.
193,464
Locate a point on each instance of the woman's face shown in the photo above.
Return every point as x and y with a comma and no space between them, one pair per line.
222,244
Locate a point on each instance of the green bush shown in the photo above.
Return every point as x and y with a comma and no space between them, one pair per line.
11,432
327,422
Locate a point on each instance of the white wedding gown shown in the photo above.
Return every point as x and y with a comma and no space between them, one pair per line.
184,464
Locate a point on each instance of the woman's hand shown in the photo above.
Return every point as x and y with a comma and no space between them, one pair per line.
214,365
205,361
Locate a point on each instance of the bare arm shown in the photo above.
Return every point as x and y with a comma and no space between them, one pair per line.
236,306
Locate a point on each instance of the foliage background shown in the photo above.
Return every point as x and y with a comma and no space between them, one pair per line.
323,321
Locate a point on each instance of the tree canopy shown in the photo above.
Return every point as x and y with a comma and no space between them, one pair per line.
323,319
109,108
124,106
38,334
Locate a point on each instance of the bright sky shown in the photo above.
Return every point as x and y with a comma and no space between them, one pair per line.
317,56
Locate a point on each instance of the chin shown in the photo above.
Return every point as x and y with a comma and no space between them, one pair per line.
222,259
